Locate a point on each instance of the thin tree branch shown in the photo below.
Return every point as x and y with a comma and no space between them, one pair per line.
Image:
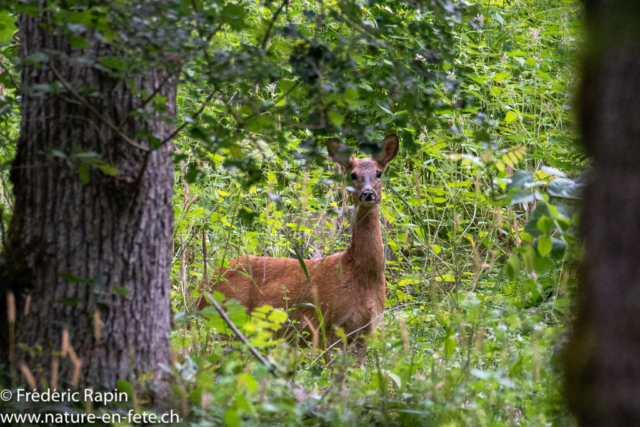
145,162
273,20
146,101
177,131
240,335
204,252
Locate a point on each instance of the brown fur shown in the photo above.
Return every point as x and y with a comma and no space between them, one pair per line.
348,286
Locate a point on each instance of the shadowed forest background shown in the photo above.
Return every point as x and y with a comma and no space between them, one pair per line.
147,144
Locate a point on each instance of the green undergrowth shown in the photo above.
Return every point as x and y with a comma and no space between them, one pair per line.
478,220
478,239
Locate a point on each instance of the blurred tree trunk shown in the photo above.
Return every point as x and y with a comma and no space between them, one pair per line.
602,358
92,258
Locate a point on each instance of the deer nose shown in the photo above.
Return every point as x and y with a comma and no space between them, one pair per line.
367,195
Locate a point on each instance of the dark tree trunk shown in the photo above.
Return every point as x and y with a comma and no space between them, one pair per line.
602,358
73,248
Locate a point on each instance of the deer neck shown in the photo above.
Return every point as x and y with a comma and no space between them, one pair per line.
366,251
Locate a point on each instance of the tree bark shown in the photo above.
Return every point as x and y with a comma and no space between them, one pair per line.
92,258
602,357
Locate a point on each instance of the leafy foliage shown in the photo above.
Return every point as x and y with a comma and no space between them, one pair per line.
479,207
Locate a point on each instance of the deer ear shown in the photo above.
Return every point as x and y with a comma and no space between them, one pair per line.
390,147
340,154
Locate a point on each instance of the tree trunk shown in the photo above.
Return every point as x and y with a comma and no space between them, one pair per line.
602,358
93,257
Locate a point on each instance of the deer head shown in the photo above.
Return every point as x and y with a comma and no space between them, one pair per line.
365,174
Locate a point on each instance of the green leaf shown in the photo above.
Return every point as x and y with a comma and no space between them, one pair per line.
247,215
192,173
519,179
395,378
500,76
78,42
231,418
544,76
510,117
522,196
563,214
121,290
544,224
277,316
115,63
233,15
36,58
386,110
544,245
499,18
125,387
302,264
566,188
553,171
476,78
256,123
242,403
558,249
512,267
516,367
249,381
351,94
83,171
281,46
72,278
5,79
449,346
336,118
109,170
7,27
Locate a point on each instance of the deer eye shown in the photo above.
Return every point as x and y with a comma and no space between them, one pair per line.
354,175
378,174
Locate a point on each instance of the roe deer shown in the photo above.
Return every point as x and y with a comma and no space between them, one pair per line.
348,286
